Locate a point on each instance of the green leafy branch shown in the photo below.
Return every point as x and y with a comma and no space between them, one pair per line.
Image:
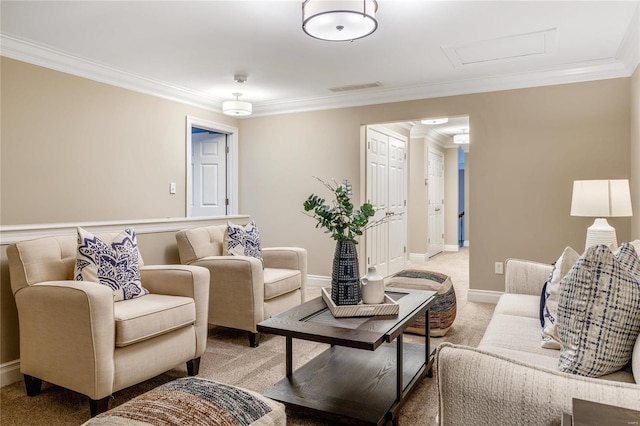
339,219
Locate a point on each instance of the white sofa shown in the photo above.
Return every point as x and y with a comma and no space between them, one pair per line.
509,379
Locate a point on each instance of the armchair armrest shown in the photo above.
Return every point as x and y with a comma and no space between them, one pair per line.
477,387
182,280
288,258
525,277
67,335
236,292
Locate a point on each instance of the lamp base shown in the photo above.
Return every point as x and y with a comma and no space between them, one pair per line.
601,233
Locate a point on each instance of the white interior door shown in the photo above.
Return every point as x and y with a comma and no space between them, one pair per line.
397,205
435,190
378,196
386,191
208,168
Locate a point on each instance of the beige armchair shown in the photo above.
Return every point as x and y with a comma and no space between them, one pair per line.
242,293
74,335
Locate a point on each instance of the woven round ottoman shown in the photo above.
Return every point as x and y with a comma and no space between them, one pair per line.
443,311
195,401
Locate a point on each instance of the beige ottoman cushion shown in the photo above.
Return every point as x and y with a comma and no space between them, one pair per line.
195,401
442,312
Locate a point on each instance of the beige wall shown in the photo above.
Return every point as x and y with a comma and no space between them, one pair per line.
77,150
635,153
417,203
529,145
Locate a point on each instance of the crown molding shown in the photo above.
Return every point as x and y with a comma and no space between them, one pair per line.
47,57
629,51
623,66
590,71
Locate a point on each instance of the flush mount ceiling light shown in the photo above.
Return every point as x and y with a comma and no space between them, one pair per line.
435,121
339,20
461,138
237,107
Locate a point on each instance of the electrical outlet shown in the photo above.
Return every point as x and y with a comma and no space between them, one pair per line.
499,268
172,188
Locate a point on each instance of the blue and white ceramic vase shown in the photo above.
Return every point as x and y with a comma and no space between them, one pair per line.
345,279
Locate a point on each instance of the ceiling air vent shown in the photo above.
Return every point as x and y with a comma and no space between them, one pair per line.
356,87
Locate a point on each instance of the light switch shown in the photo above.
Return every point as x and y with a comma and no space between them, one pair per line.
172,188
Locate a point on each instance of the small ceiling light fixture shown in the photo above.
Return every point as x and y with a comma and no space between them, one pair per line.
237,107
435,121
461,138
339,20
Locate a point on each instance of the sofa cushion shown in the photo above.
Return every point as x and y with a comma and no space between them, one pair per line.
517,333
599,312
523,305
113,263
280,281
155,314
242,241
549,298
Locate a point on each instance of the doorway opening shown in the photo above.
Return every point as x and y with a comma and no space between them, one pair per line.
461,198
211,169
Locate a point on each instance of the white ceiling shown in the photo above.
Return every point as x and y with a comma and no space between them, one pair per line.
190,50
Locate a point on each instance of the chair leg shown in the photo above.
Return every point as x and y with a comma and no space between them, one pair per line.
193,366
98,406
254,339
33,385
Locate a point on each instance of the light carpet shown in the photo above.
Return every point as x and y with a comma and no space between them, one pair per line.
229,359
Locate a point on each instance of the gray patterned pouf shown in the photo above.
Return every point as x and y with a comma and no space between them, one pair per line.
443,311
195,401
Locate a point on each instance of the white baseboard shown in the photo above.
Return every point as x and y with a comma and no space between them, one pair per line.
10,372
484,296
466,243
319,280
451,247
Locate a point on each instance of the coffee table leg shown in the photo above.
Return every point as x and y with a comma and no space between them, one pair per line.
289,357
427,342
400,368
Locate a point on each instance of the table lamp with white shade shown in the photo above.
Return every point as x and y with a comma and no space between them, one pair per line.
601,199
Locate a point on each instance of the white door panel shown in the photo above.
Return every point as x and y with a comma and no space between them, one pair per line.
209,174
435,186
377,195
397,205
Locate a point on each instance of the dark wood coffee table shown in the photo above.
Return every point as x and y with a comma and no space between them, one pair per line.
367,373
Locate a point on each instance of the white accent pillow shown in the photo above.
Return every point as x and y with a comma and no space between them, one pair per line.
550,338
114,263
242,241
599,311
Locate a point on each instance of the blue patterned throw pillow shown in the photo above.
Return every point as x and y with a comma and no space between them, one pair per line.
599,311
113,263
549,298
242,240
